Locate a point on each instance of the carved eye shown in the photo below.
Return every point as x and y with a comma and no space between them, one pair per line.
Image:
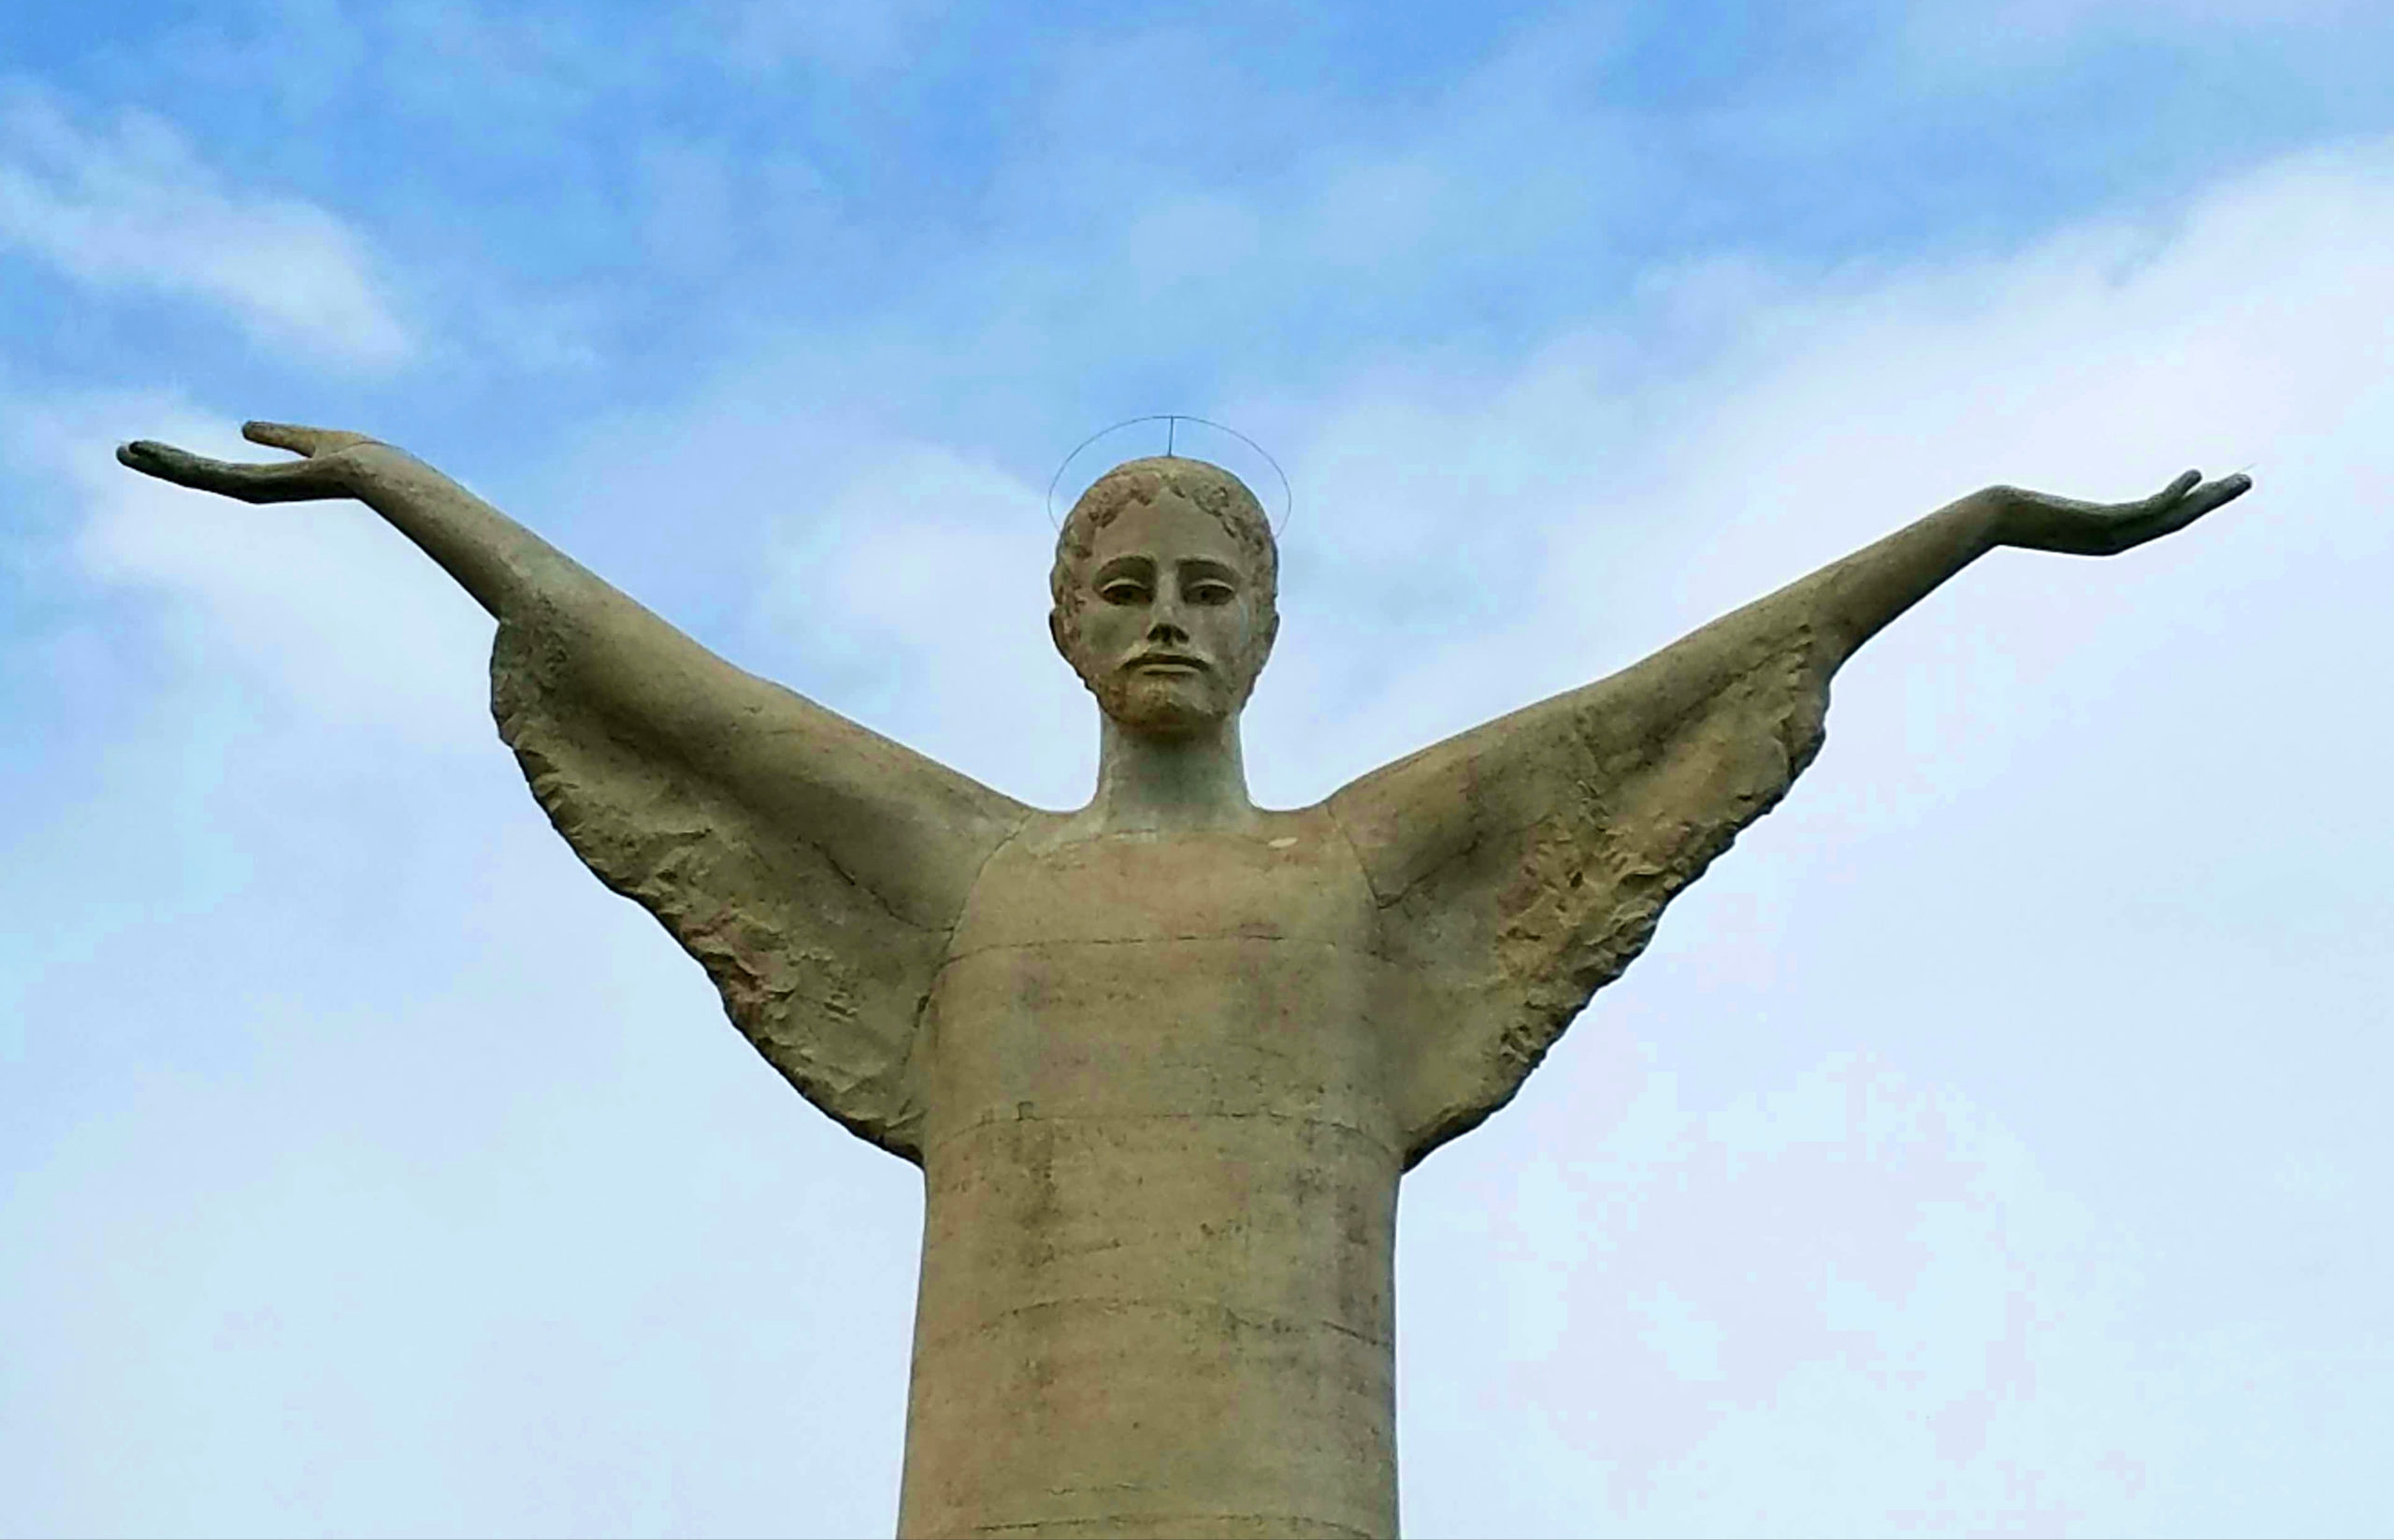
1123,591
1212,593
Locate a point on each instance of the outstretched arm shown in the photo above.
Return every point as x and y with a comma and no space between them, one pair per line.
814,868
1825,617
1854,597
911,831
503,565
1520,866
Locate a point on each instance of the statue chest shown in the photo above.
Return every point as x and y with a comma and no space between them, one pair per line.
1159,1195
1131,977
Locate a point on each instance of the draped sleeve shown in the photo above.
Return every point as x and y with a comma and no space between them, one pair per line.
1521,866
814,868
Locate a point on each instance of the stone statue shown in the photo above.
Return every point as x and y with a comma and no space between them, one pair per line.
1161,1059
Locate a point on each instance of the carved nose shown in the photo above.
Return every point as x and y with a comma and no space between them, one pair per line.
1167,627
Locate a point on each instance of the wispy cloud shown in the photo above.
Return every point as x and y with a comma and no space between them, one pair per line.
132,206
263,590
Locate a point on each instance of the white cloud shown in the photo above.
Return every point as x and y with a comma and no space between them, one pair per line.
134,207
1849,1302
890,583
273,592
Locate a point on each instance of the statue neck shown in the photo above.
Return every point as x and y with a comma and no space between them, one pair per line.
1169,786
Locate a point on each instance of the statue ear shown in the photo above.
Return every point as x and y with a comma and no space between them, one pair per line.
1058,634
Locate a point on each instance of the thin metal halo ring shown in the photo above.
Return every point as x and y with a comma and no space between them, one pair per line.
1288,493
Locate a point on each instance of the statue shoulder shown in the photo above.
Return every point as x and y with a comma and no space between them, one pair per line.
815,868
1520,866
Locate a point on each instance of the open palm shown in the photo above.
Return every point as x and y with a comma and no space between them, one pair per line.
2038,521
324,471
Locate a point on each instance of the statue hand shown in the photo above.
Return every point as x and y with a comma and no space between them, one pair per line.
2037,521
324,471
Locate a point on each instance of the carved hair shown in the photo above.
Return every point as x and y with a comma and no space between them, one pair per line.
1206,485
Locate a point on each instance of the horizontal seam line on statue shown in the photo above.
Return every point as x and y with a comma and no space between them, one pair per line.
1003,1120
1179,1307
1145,941
1155,1522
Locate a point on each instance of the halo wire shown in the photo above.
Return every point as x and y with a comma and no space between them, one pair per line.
1172,421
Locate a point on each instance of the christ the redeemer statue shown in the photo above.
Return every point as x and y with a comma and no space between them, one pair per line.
1161,1059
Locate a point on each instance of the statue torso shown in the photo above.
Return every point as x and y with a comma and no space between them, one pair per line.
1161,1177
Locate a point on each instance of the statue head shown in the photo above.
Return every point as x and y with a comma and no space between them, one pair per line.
1165,587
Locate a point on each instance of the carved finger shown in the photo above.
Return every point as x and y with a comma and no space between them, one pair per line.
287,482
2206,497
2226,490
2201,501
301,439
2189,505
2168,498
170,463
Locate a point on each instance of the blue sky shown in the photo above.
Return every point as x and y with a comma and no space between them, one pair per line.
1991,1141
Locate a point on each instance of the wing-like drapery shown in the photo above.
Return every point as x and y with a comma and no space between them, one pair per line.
814,868
1520,866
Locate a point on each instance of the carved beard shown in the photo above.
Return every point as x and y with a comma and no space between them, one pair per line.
1171,706
1164,705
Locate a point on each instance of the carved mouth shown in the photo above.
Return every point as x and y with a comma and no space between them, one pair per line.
1165,663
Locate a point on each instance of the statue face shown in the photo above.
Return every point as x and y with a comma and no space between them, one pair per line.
1170,638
